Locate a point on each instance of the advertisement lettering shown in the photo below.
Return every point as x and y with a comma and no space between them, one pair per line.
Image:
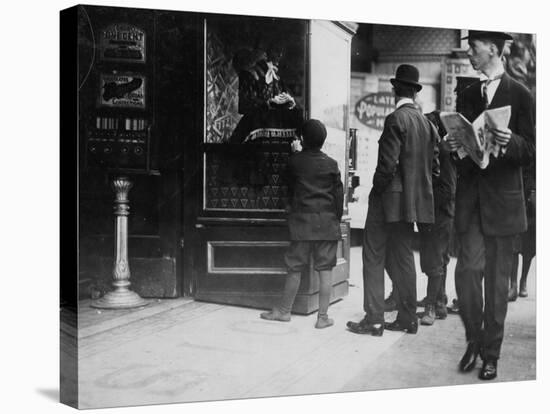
372,109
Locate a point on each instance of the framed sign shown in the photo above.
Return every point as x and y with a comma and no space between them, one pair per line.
122,42
122,90
373,109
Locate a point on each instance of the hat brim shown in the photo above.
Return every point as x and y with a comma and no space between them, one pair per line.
486,35
405,82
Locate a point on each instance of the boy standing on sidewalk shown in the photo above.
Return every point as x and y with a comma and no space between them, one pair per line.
316,202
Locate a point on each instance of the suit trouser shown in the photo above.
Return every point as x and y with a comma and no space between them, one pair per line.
389,246
486,258
435,240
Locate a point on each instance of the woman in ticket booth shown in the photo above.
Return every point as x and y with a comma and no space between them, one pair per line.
268,108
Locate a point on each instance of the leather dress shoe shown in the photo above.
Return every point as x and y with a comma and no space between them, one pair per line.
363,327
468,361
396,325
488,370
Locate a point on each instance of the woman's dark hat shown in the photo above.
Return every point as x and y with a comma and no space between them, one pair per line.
245,59
484,34
408,75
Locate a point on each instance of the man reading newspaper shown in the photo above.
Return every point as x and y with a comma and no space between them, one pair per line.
490,204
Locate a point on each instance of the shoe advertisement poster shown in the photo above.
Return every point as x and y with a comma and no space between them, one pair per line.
122,90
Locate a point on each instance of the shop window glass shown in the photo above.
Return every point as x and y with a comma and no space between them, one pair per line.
255,100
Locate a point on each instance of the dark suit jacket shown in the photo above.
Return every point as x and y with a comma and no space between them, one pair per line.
498,189
406,162
444,186
316,197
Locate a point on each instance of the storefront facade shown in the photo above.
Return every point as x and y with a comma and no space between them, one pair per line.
160,102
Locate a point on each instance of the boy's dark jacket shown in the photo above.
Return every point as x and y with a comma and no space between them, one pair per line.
316,196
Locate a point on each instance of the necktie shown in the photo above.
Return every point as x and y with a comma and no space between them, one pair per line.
484,93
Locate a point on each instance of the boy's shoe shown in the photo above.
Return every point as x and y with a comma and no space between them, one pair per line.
324,322
276,315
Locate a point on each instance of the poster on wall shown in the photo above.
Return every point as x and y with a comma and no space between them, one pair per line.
372,109
452,68
122,90
369,113
122,42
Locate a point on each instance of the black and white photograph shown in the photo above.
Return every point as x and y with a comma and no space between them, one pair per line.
330,206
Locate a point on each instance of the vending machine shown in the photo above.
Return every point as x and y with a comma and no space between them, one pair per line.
117,66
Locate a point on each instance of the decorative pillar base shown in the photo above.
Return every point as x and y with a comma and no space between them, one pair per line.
120,299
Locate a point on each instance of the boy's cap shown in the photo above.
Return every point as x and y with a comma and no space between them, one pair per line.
314,129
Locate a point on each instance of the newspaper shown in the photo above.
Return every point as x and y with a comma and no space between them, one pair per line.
476,139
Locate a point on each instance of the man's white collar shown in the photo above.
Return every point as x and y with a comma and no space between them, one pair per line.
498,74
404,101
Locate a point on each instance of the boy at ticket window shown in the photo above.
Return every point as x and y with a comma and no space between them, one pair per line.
315,208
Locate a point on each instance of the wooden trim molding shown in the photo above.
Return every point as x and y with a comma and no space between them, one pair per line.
211,268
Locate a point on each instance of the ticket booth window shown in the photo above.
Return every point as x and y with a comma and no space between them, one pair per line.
255,103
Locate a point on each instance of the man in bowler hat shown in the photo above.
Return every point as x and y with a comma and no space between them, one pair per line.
490,205
401,195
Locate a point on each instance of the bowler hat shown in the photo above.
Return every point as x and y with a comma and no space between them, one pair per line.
408,75
485,34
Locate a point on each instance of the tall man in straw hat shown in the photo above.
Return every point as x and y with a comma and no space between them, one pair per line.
490,205
401,195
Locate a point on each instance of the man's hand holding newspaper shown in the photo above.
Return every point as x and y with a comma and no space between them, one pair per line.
487,135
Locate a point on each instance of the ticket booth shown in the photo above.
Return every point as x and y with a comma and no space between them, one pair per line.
207,206
240,227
